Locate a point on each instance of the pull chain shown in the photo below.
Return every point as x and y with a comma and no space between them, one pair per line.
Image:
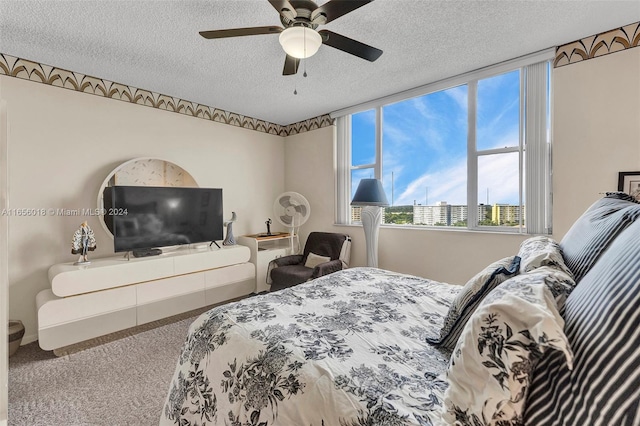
304,74
305,53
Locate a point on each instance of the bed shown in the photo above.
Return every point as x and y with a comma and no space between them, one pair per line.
270,359
539,338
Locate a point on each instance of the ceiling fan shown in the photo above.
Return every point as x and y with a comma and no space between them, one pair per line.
299,37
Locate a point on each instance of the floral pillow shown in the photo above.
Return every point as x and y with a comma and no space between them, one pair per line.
490,369
557,281
470,297
541,251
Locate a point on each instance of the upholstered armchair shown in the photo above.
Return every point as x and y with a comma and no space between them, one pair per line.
324,253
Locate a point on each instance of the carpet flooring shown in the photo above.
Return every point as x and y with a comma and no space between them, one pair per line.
120,379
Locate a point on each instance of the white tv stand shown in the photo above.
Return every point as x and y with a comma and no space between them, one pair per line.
111,294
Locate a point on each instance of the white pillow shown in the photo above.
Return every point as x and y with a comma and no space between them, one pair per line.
541,251
314,260
492,365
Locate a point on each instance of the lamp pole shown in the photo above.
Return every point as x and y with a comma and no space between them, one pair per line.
371,218
370,194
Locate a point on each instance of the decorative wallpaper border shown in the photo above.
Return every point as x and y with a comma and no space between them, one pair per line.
28,70
601,44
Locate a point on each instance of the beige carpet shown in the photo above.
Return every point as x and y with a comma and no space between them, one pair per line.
110,381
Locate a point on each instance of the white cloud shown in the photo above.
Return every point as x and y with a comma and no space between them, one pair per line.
418,137
448,185
459,95
499,173
508,139
423,108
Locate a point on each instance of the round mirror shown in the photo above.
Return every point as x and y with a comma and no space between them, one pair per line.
144,172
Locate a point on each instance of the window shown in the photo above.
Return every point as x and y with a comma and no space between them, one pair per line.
498,150
478,140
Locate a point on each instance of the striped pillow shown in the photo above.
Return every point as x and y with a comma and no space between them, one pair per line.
592,233
601,322
470,297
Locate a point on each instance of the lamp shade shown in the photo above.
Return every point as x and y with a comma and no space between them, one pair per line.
370,193
300,42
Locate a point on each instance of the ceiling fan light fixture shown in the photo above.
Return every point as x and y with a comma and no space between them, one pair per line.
300,42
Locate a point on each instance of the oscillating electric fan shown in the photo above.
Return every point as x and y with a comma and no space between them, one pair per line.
292,210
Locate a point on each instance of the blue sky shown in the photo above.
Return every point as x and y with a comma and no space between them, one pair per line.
425,144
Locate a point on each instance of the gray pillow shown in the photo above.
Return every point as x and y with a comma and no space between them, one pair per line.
470,297
601,322
594,231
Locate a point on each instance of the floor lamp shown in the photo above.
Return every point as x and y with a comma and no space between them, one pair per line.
370,194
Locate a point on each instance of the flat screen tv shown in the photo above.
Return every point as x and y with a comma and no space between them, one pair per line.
147,217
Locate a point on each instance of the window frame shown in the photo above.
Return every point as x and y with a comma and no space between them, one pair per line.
529,129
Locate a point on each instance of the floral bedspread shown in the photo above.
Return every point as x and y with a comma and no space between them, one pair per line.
346,349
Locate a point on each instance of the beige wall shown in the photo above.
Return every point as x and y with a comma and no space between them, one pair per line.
309,171
63,144
596,130
596,135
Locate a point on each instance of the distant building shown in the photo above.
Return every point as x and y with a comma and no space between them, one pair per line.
484,212
458,214
356,214
440,214
444,214
420,214
502,214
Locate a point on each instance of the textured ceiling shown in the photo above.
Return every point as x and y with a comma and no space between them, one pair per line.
155,45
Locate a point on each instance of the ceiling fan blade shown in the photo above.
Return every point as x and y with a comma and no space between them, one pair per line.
290,67
237,32
284,8
349,45
334,9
